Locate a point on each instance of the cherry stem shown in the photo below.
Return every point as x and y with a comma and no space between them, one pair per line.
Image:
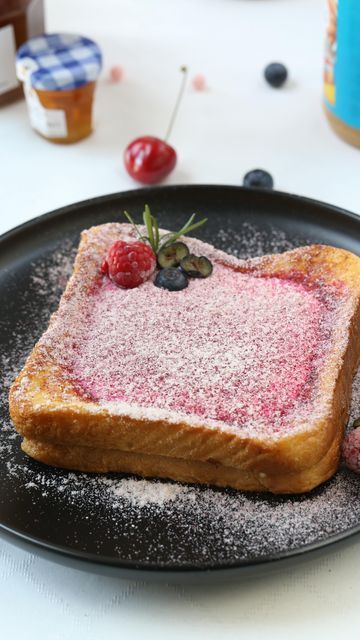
184,71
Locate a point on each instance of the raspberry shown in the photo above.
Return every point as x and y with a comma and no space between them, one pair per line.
129,264
351,450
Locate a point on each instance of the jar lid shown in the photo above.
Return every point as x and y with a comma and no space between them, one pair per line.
58,61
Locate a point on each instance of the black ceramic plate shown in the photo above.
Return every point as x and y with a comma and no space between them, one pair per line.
130,526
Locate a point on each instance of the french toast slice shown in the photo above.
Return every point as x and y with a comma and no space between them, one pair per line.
241,380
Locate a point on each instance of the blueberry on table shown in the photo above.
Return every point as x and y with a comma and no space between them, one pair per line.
172,254
196,266
258,179
275,74
171,279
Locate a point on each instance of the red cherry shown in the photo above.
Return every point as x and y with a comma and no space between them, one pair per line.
149,160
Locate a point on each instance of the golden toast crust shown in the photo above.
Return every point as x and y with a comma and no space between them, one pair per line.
90,459
63,429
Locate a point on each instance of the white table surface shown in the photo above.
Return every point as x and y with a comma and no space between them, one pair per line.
238,124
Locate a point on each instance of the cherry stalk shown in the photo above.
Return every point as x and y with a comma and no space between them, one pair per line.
149,159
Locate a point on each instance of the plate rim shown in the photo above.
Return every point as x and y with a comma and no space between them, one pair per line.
273,193
151,567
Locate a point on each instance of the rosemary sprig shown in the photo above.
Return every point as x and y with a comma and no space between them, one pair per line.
130,219
156,231
153,237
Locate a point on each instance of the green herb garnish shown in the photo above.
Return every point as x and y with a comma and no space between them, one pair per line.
153,237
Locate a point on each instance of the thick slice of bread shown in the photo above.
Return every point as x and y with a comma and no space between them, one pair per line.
240,380
198,471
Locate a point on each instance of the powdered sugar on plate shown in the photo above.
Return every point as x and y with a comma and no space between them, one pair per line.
151,521
142,493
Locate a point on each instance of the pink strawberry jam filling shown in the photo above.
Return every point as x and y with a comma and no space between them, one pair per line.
233,348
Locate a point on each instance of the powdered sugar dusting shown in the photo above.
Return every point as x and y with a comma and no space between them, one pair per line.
58,271
252,241
151,521
241,355
141,493
235,350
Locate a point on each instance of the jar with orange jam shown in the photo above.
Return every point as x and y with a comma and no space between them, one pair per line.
59,74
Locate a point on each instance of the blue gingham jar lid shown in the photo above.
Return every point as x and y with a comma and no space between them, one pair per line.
58,61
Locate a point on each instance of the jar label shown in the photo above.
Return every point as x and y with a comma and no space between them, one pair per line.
8,80
342,61
51,123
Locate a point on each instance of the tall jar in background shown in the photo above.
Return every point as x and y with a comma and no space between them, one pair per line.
342,69
19,21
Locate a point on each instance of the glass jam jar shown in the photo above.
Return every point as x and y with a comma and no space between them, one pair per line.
59,74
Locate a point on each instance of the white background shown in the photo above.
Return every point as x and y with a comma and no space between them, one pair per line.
238,124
